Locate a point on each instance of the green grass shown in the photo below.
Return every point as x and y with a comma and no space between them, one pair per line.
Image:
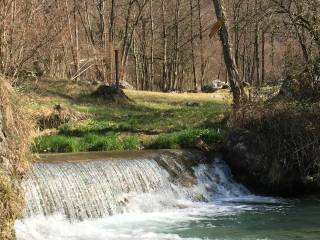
87,143
186,138
154,120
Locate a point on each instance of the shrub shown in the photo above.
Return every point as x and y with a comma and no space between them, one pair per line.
276,146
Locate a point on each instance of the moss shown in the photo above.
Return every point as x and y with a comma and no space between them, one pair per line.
14,155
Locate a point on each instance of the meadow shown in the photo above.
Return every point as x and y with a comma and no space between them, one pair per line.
151,121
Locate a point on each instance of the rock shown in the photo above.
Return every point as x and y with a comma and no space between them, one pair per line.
180,165
124,85
246,152
225,86
209,89
201,145
214,86
193,104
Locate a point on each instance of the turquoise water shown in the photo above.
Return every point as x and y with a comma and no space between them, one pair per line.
298,219
267,219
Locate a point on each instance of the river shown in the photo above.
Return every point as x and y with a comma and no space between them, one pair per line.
138,199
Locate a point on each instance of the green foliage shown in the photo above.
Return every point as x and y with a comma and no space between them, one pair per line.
109,142
88,143
186,138
55,144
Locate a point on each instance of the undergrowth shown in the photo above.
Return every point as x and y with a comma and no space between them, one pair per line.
286,135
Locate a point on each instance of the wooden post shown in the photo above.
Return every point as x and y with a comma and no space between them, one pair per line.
117,67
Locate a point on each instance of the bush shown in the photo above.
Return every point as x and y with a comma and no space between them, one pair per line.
275,147
304,84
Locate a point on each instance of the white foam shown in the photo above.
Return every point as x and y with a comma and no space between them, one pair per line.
156,225
149,215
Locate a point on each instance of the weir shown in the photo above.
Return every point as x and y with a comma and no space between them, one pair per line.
110,185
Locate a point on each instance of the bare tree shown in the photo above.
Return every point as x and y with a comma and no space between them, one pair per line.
235,83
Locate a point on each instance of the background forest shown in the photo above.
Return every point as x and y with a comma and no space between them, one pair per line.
164,45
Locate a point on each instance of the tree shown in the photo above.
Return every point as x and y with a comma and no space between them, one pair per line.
235,83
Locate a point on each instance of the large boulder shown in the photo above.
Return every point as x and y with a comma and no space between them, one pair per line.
244,153
14,149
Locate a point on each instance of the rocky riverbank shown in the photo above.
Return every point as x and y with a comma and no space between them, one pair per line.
276,150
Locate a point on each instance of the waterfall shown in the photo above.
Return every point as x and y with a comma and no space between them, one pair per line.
94,189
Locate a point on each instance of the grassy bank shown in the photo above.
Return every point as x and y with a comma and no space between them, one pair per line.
15,132
152,121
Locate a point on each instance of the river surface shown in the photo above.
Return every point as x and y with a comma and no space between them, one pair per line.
244,220
136,200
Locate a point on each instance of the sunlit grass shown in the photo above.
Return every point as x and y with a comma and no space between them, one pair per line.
153,120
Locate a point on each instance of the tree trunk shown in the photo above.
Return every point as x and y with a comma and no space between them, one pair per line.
164,46
195,84
234,79
111,40
256,47
203,65
151,80
263,60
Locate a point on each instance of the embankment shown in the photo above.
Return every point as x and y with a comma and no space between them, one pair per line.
14,148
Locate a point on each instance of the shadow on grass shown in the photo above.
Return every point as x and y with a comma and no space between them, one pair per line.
141,120
147,123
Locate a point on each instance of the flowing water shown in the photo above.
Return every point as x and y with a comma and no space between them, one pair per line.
138,199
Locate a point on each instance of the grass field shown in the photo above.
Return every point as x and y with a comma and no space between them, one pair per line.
153,120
